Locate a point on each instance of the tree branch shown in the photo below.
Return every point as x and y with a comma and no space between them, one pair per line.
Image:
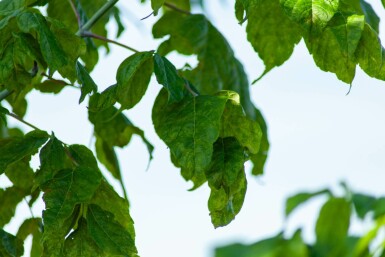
4,94
92,35
96,17
176,8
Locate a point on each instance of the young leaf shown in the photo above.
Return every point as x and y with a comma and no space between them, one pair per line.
14,149
108,234
51,86
88,84
10,246
167,75
227,181
133,77
189,128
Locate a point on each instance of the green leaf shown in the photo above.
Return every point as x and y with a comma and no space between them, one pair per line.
9,198
31,22
21,174
167,75
10,246
363,204
296,200
332,49
234,123
106,99
53,158
88,84
108,234
107,156
32,227
80,243
332,227
312,14
133,76
156,5
227,181
272,247
271,33
51,86
65,190
260,158
189,128
14,149
103,197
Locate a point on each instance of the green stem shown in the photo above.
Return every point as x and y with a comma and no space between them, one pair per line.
124,191
95,18
176,8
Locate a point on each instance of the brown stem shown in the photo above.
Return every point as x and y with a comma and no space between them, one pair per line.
92,35
176,8
22,121
76,13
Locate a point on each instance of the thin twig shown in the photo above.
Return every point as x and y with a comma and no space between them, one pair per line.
96,17
176,8
4,94
29,207
76,13
22,121
92,35
147,16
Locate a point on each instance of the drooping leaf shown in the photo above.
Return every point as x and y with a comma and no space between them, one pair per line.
226,178
271,33
260,158
166,74
133,76
16,148
88,84
10,246
107,156
296,200
106,99
109,235
189,128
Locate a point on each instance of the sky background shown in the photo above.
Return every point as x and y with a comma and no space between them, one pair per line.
319,136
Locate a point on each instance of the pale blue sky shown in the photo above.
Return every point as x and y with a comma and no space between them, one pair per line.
319,136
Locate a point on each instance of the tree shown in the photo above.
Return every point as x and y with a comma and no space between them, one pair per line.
204,114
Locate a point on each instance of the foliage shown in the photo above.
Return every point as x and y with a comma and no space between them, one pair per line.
203,114
331,230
